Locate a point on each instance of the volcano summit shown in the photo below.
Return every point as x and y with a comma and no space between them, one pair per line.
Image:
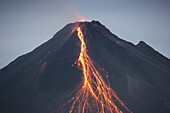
47,78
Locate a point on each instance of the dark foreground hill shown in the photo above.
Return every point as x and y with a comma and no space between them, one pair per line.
38,82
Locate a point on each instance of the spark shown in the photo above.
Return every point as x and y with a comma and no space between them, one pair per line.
43,65
45,57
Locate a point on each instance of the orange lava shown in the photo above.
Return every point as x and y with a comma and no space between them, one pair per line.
94,95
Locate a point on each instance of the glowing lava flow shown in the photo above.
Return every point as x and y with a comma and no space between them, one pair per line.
94,95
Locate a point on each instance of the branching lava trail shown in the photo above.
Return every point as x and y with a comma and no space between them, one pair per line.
94,94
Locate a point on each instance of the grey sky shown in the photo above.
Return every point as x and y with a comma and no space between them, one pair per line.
25,24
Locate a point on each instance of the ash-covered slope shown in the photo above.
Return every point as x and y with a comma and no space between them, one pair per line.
39,81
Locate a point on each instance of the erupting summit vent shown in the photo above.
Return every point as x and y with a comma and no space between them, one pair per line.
85,68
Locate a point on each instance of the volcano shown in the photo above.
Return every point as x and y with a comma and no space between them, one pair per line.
46,78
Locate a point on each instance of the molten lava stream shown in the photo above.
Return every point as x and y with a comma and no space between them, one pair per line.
94,95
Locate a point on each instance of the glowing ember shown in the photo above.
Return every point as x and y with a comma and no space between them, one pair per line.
94,95
43,65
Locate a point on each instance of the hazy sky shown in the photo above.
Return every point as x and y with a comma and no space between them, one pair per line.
25,24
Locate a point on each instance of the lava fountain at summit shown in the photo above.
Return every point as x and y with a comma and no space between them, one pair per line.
94,94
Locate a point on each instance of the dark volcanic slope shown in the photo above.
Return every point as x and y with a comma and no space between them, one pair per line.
39,81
